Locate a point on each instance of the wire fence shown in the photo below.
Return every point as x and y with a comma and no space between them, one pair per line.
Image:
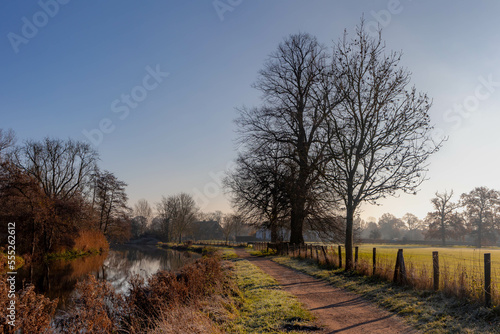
472,274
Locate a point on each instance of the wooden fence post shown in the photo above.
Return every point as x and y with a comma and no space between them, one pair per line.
311,248
325,255
355,257
400,270
287,253
435,266
487,279
374,260
340,256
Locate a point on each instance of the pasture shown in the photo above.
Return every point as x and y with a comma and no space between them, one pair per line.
461,268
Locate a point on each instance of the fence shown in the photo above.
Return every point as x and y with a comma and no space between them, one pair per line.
222,243
468,281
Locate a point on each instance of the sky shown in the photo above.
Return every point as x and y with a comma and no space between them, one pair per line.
155,85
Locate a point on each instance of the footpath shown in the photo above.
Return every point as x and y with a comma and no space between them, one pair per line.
337,310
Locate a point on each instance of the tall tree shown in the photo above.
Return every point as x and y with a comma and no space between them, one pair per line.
62,168
380,133
178,213
258,188
143,215
390,226
293,83
110,202
7,140
482,206
413,225
444,222
230,225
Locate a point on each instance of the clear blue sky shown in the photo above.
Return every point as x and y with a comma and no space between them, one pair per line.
75,70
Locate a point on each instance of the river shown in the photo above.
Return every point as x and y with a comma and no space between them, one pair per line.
58,278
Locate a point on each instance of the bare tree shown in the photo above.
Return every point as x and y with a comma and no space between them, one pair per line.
110,201
62,168
178,212
379,134
259,190
444,222
413,224
390,226
143,215
482,206
293,83
230,225
7,140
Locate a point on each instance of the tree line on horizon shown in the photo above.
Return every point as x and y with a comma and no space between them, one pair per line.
474,219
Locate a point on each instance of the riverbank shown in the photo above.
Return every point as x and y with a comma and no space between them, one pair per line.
211,295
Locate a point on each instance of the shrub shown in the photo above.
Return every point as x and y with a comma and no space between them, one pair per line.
91,241
33,311
96,309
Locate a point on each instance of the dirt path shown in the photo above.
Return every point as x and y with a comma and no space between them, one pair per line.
338,311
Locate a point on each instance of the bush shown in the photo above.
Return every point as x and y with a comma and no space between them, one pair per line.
96,309
91,241
33,311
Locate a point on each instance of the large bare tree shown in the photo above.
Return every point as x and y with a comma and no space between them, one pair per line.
380,133
110,202
178,213
143,215
62,168
294,86
482,208
444,222
259,188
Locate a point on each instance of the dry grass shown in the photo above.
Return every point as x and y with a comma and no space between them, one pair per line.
33,311
197,295
461,269
91,241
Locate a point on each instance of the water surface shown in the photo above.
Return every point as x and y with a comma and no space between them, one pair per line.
58,278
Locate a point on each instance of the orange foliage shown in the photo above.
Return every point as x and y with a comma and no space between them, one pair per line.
91,240
33,311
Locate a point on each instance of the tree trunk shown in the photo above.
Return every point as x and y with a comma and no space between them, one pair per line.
443,232
297,223
274,232
349,238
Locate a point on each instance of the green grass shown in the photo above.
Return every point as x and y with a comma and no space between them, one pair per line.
4,263
71,254
427,311
471,258
265,308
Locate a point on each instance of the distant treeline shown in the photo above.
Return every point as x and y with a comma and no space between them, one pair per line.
472,220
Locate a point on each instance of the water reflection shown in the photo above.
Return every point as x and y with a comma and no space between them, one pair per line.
57,279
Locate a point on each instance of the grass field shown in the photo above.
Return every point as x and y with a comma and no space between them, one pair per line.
461,268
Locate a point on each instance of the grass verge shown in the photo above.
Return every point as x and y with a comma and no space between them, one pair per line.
425,310
265,308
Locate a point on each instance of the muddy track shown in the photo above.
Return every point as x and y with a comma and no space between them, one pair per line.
337,310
